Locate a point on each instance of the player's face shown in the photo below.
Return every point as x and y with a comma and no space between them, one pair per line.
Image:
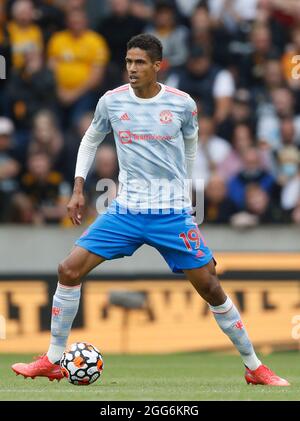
141,69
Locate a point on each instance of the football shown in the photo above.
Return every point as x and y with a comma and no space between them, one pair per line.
82,364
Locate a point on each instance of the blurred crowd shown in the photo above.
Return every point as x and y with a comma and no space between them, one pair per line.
237,58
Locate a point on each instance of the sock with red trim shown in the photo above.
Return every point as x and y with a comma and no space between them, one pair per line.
229,320
64,309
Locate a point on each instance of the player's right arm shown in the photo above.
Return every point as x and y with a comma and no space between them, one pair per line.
94,135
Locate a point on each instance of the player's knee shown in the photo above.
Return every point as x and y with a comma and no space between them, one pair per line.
68,275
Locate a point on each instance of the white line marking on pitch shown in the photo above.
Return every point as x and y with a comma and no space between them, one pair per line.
41,391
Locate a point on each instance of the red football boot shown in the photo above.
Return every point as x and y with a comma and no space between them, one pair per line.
42,367
263,375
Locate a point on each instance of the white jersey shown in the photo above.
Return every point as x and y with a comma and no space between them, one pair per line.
149,136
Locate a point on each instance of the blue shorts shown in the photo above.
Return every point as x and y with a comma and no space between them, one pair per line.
118,233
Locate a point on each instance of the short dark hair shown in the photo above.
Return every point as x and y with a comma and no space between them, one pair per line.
164,5
149,43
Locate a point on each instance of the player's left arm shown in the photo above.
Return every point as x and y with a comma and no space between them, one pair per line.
190,136
92,138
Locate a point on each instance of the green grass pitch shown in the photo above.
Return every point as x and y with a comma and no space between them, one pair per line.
193,376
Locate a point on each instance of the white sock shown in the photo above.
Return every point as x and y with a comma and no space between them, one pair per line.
64,309
55,352
229,320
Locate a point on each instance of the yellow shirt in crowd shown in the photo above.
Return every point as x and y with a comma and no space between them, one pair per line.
24,40
75,57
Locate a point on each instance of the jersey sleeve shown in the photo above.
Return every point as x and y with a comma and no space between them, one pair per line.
101,122
190,123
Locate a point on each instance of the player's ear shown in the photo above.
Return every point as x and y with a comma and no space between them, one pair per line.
157,65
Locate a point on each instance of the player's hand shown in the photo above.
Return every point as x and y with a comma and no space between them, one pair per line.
75,208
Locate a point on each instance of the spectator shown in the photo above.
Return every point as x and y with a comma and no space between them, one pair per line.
187,8
74,5
29,90
72,141
242,140
272,79
172,36
286,11
96,10
105,169
252,65
9,168
5,54
268,126
212,86
218,208
78,57
212,150
252,172
127,26
25,36
207,36
288,159
47,139
234,14
141,9
45,192
201,29
266,15
241,113
49,17
106,163
288,132
258,209
290,64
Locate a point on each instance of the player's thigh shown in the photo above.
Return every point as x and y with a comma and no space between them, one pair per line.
78,264
179,240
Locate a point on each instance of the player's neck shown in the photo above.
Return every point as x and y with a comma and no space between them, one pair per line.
148,91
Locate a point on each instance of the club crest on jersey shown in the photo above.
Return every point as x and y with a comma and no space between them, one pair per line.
166,117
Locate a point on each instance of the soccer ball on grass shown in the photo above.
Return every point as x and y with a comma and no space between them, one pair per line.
81,364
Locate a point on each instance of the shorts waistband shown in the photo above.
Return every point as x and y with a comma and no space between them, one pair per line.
116,207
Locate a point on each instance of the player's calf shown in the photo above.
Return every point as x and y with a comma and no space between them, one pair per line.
207,284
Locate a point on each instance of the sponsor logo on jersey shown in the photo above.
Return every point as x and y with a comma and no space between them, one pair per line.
166,117
125,136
